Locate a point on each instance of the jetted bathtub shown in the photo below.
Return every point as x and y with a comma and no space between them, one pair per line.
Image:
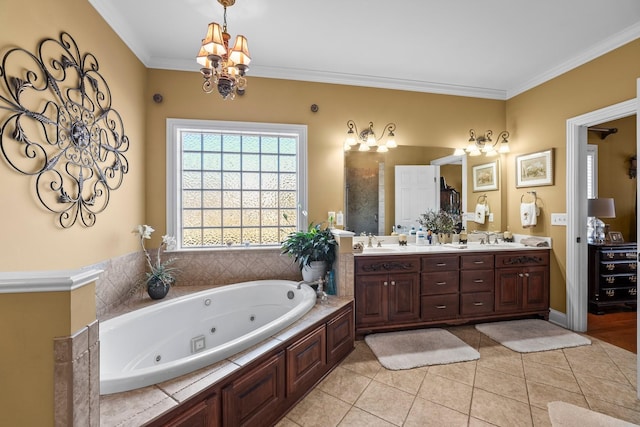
181,335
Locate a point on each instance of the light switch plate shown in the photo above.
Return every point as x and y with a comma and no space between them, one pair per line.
559,219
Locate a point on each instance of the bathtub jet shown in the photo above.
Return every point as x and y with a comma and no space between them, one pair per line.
178,336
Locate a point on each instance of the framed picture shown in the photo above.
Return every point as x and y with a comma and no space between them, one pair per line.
485,177
615,237
534,169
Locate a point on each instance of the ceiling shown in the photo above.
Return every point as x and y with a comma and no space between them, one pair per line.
489,49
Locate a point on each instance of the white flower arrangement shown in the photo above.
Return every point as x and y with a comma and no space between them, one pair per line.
159,270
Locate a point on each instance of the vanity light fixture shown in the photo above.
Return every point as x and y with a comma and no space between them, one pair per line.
367,139
222,68
484,144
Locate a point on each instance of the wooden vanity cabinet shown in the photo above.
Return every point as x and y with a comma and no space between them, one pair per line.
387,291
522,283
476,284
613,276
439,287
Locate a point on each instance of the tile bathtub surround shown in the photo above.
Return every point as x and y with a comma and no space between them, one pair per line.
197,268
502,388
77,378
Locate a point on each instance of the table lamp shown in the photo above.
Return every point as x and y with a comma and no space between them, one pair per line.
598,208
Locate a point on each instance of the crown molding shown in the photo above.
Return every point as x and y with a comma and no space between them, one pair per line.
623,37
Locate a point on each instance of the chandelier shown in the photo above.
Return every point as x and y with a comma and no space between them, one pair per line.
222,68
484,144
367,138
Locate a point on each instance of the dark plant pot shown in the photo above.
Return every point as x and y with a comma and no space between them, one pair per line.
158,289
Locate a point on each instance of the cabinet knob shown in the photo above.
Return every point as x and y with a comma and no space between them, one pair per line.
393,283
526,274
520,275
385,283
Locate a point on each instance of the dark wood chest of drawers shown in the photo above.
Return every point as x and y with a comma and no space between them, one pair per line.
612,276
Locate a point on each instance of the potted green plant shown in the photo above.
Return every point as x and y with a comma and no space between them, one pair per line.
440,223
314,250
160,277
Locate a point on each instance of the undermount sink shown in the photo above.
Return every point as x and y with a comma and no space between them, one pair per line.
380,249
489,246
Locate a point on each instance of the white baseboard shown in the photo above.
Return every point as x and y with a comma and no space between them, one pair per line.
558,318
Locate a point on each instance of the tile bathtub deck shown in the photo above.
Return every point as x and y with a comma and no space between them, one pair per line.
502,388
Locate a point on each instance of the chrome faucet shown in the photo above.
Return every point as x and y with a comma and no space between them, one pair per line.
318,282
370,241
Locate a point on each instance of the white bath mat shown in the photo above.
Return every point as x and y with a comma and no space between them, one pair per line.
530,335
564,414
423,347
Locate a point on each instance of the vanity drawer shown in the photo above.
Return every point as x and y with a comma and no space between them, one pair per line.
436,307
476,303
470,262
440,282
477,280
392,264
522,258
613,267
440,263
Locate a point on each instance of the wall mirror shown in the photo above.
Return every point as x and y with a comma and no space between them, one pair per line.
370,181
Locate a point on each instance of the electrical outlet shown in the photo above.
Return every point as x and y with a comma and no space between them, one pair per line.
559,219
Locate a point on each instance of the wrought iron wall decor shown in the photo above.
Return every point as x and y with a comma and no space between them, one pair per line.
62,128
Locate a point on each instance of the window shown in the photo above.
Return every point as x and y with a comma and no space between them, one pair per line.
592,171
234,182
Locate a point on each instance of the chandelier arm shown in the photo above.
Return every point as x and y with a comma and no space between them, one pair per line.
505,136
352,126
472,135
390,127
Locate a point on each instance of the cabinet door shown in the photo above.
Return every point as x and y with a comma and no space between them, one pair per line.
535,288
306,361
340,337
404,297
371,299
508,293
203,414
256,398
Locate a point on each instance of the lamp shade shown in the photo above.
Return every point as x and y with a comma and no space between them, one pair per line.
601,208
213,41
240,51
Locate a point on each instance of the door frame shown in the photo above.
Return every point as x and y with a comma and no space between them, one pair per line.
576,239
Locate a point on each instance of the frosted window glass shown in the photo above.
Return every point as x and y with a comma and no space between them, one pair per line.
212,199
191,199
269,163
191,141
269,181
231,143
250,217
288,145
192,218
231,181
270,144
251,181
287,164
250,199
212,218
212,161
191,161
191,180
288,181
231,199
212,142
251,144
231,162
235,182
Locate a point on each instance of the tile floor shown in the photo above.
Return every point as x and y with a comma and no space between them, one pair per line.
502,388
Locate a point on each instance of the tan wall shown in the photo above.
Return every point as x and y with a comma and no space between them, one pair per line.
614,153
30,238
32,241
537,121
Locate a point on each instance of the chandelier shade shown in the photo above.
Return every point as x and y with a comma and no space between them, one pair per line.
483,144
223,69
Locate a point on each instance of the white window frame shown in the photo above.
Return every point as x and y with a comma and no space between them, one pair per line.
174,166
